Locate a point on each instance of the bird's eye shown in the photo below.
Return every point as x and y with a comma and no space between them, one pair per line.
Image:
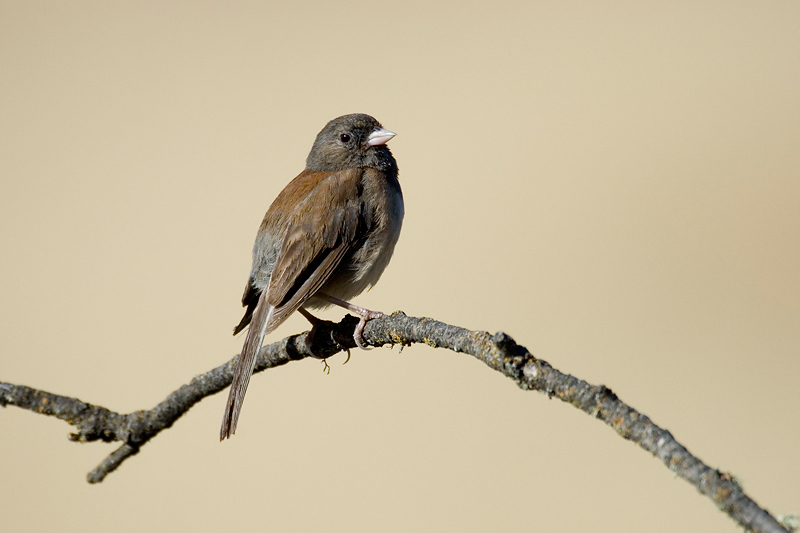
344,137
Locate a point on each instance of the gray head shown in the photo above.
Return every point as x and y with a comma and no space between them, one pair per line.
351,141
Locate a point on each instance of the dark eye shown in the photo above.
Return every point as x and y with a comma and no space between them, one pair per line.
344,137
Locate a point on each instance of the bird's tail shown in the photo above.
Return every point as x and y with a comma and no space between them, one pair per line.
244,366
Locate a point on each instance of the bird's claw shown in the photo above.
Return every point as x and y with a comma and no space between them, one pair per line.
367,315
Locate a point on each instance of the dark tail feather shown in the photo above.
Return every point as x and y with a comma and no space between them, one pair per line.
250,300
248,315
244,366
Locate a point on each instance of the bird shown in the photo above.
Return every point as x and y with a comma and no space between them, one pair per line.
326,237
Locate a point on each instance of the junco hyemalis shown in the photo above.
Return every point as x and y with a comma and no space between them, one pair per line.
327,236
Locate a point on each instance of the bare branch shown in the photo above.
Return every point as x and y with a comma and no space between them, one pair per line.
498,351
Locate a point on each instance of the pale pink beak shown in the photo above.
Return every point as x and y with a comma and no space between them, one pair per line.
380,136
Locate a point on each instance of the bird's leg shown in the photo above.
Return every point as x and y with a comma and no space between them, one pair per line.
364,314
314,323
311,318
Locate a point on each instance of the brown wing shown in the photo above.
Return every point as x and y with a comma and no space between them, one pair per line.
276,223
321,231
323,227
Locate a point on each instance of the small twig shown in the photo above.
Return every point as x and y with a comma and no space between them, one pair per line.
498,351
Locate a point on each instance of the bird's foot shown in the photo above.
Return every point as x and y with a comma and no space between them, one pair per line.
363,314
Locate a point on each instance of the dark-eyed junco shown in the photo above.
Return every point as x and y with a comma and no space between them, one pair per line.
327,236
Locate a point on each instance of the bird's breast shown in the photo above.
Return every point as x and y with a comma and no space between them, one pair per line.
382,208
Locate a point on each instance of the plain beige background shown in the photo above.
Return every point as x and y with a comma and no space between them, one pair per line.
616,185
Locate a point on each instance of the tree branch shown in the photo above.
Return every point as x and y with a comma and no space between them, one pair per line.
498,351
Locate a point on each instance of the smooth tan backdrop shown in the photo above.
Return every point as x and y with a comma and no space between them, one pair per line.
614,184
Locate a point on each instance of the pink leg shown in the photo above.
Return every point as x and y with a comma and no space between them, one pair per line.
364,314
